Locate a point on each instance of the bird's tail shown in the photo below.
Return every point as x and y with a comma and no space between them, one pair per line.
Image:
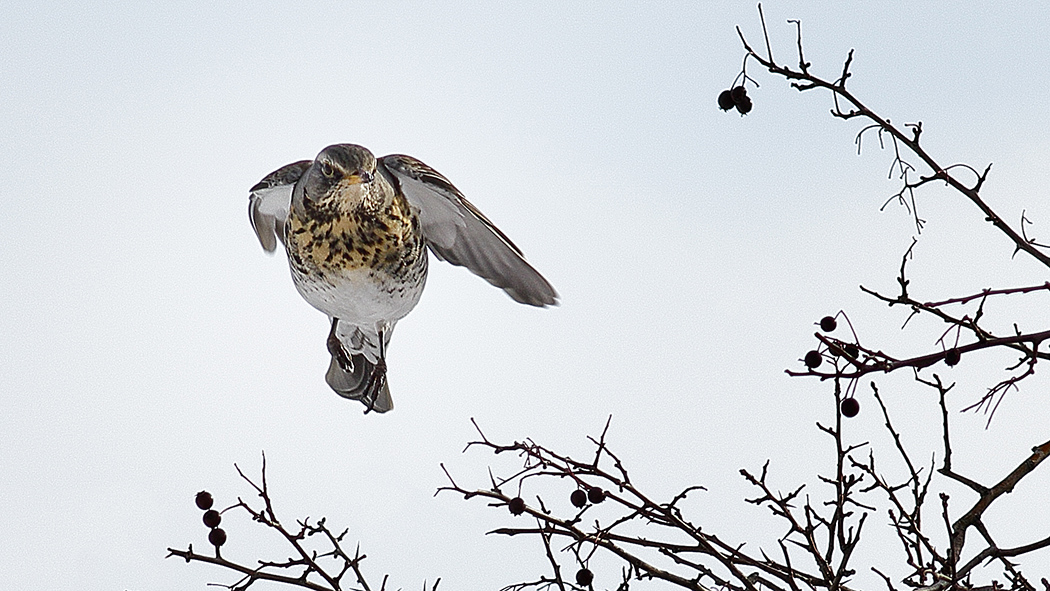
360,383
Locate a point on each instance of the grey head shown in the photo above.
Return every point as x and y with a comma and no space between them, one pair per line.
342,175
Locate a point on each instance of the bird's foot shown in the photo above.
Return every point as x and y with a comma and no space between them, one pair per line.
376,381
339,353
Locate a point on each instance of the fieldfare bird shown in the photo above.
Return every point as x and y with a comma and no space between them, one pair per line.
356,230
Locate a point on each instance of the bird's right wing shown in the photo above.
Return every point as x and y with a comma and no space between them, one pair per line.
269,201
460,234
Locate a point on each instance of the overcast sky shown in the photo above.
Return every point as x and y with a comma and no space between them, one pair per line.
147,343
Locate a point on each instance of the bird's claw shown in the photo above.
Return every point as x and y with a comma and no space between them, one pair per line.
376,381
339,352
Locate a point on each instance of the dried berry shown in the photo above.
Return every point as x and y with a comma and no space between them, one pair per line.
952,357
835,350
850,407
578,498
725,100
217,536
813,359
738,94
584,577
516,506
828,324
744,106
596,495
851,350
204,500
212,518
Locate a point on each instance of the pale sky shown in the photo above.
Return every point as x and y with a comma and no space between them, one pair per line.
148,343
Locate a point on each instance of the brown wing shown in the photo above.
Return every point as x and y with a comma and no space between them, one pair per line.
460,234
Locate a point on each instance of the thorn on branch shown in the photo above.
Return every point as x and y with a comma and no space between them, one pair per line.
803,65
841,84
765,33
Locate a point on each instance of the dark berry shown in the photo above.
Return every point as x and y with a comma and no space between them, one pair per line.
204,500
212,518
739,95
744,106
217,536
516,506
850,407
578,498
851,350
584,576
596,495
951,357
813,359
828,324
725,100
835,350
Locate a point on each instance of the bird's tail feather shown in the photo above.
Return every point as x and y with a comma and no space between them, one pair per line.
357,383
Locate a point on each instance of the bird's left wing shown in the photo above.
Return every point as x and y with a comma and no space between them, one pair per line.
460,234
269,201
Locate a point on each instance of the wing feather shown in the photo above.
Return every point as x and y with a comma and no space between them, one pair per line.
269,200
460,234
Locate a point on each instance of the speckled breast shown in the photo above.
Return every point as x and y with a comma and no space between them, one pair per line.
359,267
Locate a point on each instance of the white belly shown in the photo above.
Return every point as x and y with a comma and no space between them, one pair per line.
361,297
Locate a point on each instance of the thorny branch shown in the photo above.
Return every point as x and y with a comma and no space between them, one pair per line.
850,360
814,551
606,474
906,143
863,360
318,567
848,106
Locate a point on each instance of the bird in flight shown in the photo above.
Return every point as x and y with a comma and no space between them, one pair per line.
356,230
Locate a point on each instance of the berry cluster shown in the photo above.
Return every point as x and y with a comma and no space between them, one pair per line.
735,97
849,406
579,497
212,518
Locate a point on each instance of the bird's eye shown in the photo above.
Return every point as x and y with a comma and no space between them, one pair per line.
326,168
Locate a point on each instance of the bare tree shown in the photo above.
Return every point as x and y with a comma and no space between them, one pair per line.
319,561
942,545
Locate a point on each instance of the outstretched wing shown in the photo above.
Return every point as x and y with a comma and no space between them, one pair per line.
269,201
460,234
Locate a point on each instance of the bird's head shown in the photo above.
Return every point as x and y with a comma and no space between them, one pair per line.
342,173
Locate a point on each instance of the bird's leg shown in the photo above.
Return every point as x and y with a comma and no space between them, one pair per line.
377,380
337,350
